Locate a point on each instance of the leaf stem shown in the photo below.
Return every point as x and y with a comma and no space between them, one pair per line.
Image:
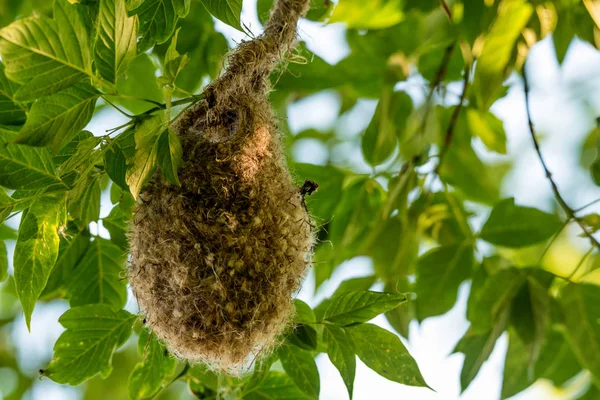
115,107
561,201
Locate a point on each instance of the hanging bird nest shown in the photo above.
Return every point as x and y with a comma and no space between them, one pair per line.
215,263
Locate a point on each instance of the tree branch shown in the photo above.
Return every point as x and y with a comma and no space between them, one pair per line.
561,201
454,119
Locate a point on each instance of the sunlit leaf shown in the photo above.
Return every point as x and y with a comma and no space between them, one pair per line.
116,40
488,128
54,120
37,249
147,137
490,72
374,14
47,55
93,333
25,167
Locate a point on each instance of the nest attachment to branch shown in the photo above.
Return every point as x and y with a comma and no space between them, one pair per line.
215,263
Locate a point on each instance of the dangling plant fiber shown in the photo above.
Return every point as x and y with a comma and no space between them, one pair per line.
215,262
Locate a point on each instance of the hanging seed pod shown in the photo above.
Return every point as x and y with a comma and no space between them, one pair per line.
215,262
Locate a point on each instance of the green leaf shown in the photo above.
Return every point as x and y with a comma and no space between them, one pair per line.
158,19
477,349
488,128
115,40
11,113
24,167
488,302
490,73
341,354
139,82
401,317
117,155
355,216
54,120
510,225
323,202
463,168
93,334
228,11
301,368
37,249
276,386
530,318
384,353
84,201
7,205
3,262
563,34
44,55
76,152
581,307
304,314
116,224
357,307
515,377
174,62
151,374
96,279
439,274
169,154
374,14
391,115
147,137
73,245
355,285
557,362
303,336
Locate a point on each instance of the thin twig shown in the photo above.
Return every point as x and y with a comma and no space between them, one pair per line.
591,203
581,262
441,72
551,242
561,201
454,119
446,9
116,108
191,99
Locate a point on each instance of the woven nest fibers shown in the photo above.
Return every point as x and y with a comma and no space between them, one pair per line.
216,262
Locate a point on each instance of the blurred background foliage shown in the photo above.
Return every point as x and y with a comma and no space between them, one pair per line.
417,183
